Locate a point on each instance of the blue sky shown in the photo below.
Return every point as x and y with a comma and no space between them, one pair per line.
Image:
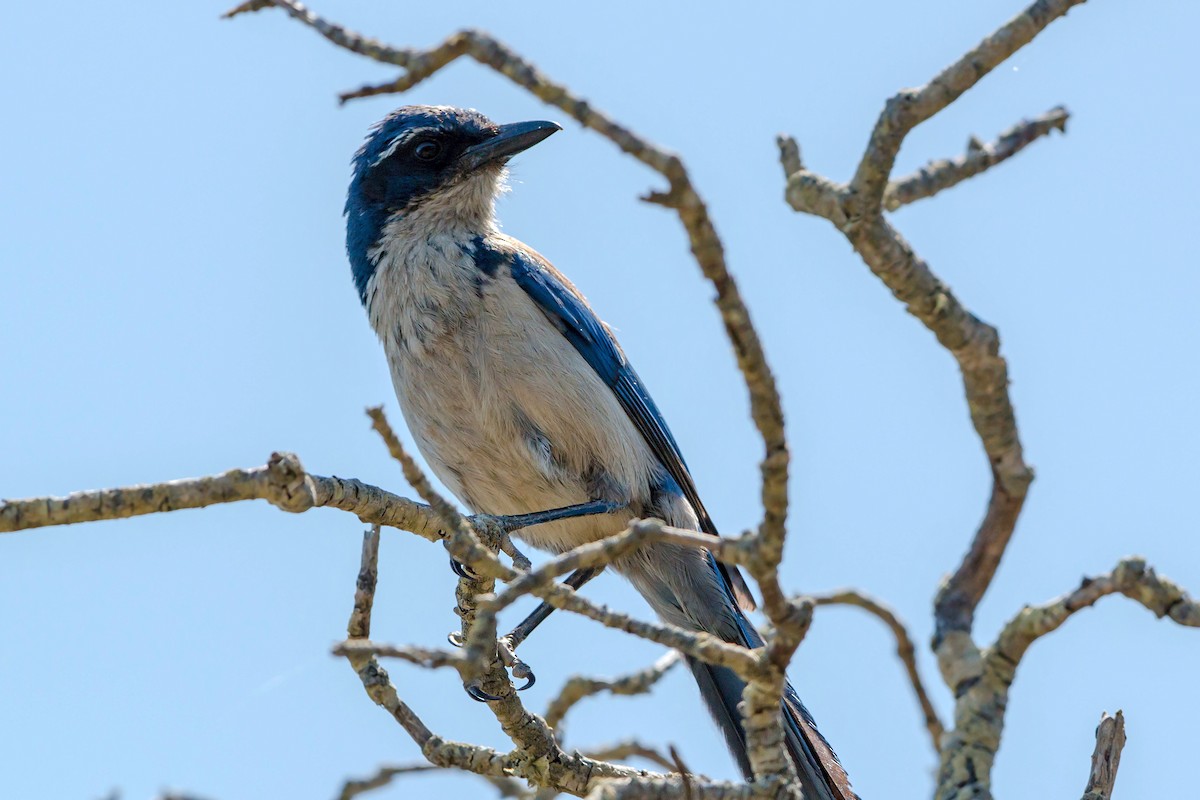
176,302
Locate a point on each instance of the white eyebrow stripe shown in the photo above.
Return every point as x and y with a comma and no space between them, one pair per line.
399,140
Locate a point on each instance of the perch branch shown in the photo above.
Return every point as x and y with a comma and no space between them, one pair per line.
282,482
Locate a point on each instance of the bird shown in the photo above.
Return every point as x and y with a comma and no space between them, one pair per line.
520,398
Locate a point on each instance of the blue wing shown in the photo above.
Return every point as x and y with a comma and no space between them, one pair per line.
572,315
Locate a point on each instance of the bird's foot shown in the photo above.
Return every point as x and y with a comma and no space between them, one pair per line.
475,692
507,650
462,570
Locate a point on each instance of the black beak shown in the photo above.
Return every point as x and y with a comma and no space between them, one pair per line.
508,141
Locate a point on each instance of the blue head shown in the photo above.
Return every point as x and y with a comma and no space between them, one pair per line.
419,159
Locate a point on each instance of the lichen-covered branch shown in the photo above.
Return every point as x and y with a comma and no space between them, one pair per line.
382,777
385,774
580,686
969,750
282,482
620,751
905,650
857,210
937,176
909,108
1131,577
1110,740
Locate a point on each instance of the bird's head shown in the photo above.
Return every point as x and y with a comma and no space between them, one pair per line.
440,164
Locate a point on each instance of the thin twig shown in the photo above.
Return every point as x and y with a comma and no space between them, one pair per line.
909,108
905,650
937,176
382,777
685,774
621,751
579,687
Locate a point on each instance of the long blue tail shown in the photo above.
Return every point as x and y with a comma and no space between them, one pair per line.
821,774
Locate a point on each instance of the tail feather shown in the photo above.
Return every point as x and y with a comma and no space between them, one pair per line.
696,593
815,761
821,774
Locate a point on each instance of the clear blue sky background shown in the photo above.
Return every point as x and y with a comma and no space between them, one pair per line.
176,302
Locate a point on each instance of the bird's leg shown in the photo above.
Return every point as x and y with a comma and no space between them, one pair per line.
499,527
508,643
502,525
520,633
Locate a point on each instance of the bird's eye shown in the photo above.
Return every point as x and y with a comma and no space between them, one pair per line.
427,150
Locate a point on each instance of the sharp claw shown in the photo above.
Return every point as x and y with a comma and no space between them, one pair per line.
462,570
479,694
456,638
532,679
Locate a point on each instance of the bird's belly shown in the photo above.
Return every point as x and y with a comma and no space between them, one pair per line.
513,421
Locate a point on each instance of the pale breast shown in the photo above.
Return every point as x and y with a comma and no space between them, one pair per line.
508,415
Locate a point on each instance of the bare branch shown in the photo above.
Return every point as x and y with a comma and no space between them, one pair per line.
425,657
789,155
937,176
904,650
538,758
579,687
1131,577
969,750
621,751
374,677
507,787
911,107
383,776
1110,740
359,626
282,482
857,210
685,774
672,788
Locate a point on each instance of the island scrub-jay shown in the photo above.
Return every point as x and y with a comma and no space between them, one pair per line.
520,398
